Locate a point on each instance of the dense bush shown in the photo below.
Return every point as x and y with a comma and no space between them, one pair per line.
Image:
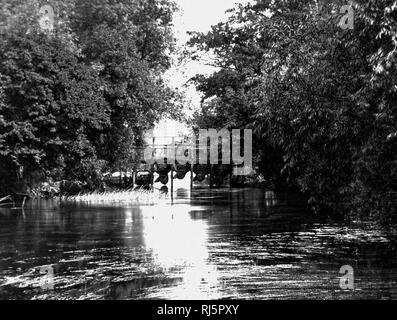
75,96
321,98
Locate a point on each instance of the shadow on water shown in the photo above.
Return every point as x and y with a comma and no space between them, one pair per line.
210,244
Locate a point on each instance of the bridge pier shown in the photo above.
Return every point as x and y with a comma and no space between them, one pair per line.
230,176
172,183
191,177
211,176
152,177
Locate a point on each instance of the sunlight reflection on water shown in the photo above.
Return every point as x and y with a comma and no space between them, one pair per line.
177,240
239,243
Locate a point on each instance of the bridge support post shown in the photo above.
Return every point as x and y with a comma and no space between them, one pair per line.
230,176
152,178
191,177
231,161
172,183
212,176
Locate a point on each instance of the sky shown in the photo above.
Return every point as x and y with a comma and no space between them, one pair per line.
194,15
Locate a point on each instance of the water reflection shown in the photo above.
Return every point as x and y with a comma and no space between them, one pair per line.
210,244
178,242
173,236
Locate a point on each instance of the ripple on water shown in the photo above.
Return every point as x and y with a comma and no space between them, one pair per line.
243,244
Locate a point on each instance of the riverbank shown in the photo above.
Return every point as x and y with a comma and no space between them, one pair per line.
139,196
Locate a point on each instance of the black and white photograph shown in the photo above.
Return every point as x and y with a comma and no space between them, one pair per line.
198,150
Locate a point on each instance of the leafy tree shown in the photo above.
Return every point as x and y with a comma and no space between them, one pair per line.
130,41
52,108
76,96
321,98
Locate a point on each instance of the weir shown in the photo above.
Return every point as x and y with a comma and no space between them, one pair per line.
214,157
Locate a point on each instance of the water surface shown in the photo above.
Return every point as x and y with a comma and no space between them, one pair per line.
213,244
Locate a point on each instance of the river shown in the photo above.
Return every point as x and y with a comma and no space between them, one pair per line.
211,244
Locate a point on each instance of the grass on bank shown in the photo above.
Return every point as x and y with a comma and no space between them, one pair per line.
139,196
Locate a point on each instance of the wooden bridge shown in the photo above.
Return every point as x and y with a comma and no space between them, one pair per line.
164,163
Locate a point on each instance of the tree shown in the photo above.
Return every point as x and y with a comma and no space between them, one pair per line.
52,108
78,94
318,95
131,42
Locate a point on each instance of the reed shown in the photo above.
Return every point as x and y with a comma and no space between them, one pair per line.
124,196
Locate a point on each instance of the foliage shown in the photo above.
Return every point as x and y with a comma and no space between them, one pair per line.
75,97
321,97
53,108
